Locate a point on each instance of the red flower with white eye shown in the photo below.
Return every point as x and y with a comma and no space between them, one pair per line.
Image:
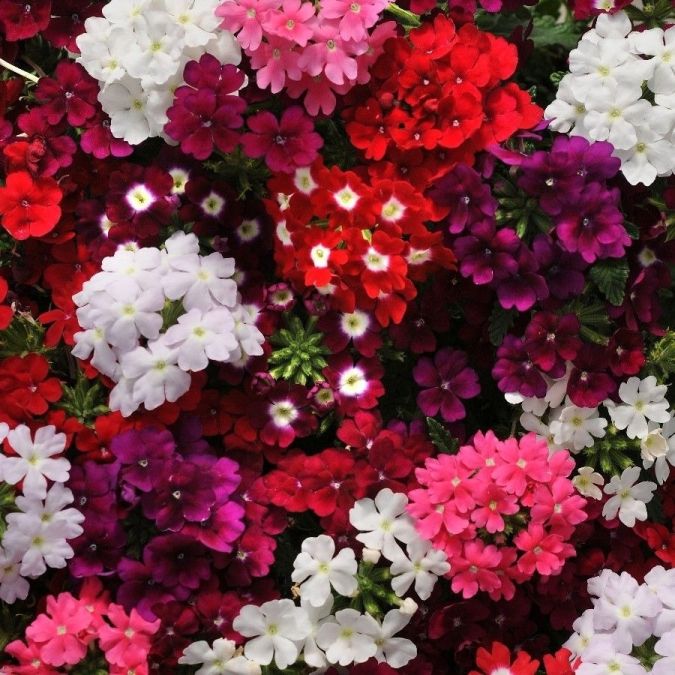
318,255
378,263
356,383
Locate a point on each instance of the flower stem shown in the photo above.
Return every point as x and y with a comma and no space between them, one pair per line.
19,71
406,17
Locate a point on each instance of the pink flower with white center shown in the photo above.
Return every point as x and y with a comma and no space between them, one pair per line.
357,327
545,553
127,642
291,21
355,16
522,460
327,55
476,569
493,503
60,631
276,65
245,18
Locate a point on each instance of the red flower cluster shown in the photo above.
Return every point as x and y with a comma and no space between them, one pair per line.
440,95
358,244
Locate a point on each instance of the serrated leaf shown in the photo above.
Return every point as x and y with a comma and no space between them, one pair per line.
548,32
500,321
610,277
441,437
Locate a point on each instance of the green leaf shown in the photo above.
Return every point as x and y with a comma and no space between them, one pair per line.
441,437
549,32
610,277
500,321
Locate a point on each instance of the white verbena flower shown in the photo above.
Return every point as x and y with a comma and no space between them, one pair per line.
395,651
577,427
35,462
630,499
382,522
277,628
422,566
642,400
219,659
349,638
587,481
317,569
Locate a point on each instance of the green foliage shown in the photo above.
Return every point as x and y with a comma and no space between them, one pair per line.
610,277
85,400
500,321
299,354
441,437
170,312
23,336
661,357
594,321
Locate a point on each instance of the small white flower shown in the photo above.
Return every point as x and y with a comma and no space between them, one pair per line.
642,400
219,659
311,652
382,522
661,462
587,481
629,499
317,569
396,652
349,638
12,585
35,462
577,428
276,628
422,566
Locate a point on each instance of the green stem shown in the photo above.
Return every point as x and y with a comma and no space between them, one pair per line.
406,17
19,71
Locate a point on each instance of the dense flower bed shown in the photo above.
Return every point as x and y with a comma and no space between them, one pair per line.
336,337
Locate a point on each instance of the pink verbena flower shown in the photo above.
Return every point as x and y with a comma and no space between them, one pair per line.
507,492
61,633
245,19
291,22
275,63
355,16
127,642
287,144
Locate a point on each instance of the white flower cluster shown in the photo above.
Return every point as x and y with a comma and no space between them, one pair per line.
625,615
280,631
120,310
621,89
643,412
138,50
38,531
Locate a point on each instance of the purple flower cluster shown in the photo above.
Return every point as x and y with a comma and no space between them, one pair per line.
182,496
570,184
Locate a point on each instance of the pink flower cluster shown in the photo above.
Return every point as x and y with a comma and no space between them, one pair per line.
292,47
71,629
501,511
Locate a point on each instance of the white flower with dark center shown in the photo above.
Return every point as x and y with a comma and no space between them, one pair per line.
422,566
349,638
316,568
35,461
275,631
383,522
642,400
630,499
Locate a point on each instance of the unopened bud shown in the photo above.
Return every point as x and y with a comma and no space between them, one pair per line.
371,555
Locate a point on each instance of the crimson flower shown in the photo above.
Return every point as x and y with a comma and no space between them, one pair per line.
287,144
20,19
29,206
500,657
